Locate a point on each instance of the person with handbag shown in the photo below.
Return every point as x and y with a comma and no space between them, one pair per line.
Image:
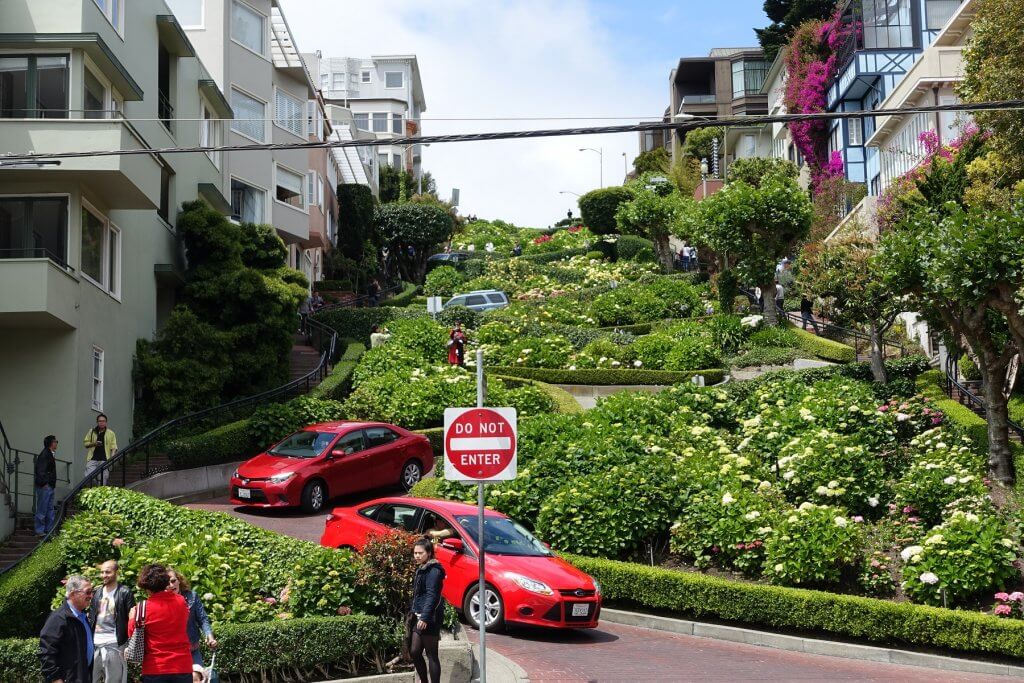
427,613
157,630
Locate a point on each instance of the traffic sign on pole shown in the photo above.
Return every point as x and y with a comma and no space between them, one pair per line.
479,444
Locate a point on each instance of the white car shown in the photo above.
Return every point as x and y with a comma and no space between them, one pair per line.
480,300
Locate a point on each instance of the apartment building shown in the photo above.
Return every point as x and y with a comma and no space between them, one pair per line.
385,95
88,258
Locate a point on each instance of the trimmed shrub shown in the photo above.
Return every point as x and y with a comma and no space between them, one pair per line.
699,596
436,436
824,348
563,400
227,443
425,488
552,256
336,385
277,420
595,255
598,207
610,376
26,591
405,297
332,286
765,355
442,281
356,322
635,248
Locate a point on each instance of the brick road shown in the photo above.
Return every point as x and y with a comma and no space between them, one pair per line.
614,653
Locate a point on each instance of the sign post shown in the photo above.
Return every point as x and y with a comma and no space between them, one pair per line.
480,446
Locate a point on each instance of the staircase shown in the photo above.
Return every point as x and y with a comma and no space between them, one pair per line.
303,359
20,543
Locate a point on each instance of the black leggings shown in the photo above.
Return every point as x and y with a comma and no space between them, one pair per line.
425,644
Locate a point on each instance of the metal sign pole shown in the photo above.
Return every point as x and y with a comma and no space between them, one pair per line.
482,588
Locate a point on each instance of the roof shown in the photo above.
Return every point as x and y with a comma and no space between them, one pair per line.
339,426
417,84
451,506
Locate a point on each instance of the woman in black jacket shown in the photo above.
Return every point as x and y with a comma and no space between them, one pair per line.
428,608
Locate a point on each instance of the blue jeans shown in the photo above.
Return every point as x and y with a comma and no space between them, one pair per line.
44,509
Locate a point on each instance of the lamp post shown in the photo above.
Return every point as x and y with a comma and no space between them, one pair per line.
704,177
625,167
600,154
575,194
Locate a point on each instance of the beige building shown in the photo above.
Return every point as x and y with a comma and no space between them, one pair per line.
88,258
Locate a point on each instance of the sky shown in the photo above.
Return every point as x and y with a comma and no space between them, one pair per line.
502,59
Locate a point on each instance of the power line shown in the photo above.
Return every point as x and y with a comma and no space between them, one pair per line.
684,125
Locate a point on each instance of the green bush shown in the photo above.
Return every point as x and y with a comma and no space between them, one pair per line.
813,545
442,281
698,596
275,421
552,256
405,297
598,207
595,255
968,368
425,488
691,354
356,322
945,469
436,436
562,400
772,336
610,376
824,348
227,443
25,592
765,355
635,248
332,286
337,384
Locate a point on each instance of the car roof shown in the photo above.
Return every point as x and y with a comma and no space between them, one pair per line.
481,291
451,507
343,425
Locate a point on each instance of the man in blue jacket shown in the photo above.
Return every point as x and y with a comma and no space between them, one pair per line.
65,643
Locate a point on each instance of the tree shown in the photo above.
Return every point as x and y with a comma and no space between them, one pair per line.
598,207
355,218
651,213
751,227
846,276
652,161
785,16
420,226
398,186
698,143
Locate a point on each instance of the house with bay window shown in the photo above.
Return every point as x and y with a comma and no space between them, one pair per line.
89,262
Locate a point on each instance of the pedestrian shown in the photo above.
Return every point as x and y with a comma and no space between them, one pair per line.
167,655
759,298
65,643
424,621
198,621
374,292
684,257
100,446
378,336
457,346
108,617
46,483
517,250
780,297
807,313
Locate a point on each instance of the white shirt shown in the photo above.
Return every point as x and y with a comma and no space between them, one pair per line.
106,626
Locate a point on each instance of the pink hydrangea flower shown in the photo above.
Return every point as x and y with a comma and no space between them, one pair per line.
117,542
1016,596
1002,610
1002,597
858,518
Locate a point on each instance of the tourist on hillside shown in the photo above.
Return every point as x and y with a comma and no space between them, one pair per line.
457,346
100,444
45,483
108,617
780,297
378,336
164,616
807,313
517,250
427,613
65,643
198,621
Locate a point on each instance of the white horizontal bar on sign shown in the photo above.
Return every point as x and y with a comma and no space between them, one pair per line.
481,444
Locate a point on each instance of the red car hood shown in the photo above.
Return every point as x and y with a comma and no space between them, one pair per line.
263,466
555,572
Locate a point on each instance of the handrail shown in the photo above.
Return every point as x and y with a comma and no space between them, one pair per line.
362,298
9,466
966,396
314,330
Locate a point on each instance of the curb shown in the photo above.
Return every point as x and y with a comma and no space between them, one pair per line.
500,669
812,646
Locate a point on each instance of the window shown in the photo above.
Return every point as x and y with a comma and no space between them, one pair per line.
97,378
352,443
855,132
887,24
34,87
288,188
188,12
112,11
288,113
747,147
365,76
399,516
748,77
94,101
379,436
304,445
34,227
247,202
311,185
248,27
249,116
394,79
339,81
314,119
939,12
382,160
380,123
397,126
476,300
210,133
101,251
325,81
362,121
164,210
396,161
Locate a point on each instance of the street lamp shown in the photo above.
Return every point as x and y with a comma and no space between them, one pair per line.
575,194
625,168
600,154
714,142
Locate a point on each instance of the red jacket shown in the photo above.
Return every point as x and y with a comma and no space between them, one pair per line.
167,648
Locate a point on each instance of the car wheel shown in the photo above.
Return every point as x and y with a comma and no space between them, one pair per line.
494,608
412,472
314,496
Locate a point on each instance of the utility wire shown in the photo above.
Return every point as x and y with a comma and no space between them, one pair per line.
683,125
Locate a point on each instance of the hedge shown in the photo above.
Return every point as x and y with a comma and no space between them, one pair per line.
563,400
336,385
436,436
26,591
551,256
332,286
893,623
824,348
929,384
598,207
226,443
316,648
636,248
405,297
610,376
426,488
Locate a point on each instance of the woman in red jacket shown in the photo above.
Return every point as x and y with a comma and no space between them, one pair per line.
167,658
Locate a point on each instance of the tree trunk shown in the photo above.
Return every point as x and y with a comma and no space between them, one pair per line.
771,316
664,252
877,356
1000,457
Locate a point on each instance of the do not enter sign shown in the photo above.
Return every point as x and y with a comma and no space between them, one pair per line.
480,444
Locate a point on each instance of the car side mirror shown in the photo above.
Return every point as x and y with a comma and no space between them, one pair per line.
337,453
454,544
546,544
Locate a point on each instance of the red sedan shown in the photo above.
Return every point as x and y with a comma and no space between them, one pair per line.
331,459
526,582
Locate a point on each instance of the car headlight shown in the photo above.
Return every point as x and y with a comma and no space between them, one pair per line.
597,586
281,478
236,475
531,585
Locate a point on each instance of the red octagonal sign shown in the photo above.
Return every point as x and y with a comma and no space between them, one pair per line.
480,444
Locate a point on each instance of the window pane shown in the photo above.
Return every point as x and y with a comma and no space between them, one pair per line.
249,115
52,87
188,12
289,187
247,26
940,12
14,87
92,246
396,124
396,160
288,112
737,79
112,262
380,123
366,76
246,202
393,79
339,81
95,96
362,121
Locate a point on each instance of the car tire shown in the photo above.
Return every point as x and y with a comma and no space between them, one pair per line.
412,473
314,496
495,609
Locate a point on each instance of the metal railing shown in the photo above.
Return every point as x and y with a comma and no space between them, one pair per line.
362,300
966,396
165,111
11,460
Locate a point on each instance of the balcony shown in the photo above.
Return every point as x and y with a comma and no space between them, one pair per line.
36,291
123,182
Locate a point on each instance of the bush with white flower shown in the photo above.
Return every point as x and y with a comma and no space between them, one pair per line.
815,545
940,476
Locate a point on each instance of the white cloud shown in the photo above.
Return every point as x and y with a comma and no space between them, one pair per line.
521,58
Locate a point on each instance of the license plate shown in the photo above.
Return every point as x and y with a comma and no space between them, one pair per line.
581,609
244,493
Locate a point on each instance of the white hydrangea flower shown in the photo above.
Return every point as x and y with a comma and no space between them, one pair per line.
951,479
910,551
752,515
727,498
873,501
840,521
929,578
821,491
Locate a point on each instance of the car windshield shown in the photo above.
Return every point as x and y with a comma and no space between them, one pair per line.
303,445
503,536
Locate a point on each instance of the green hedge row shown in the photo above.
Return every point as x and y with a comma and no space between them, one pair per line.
332,286
227,443
563,400
317,648
436,436
552,256
610,376
824,348
403,298
697,595
337,384
356,322
26,591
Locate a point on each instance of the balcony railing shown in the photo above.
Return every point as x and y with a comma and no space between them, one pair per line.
698,99
33,252
165,111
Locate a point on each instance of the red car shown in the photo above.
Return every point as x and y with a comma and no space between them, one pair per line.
526,582
331,459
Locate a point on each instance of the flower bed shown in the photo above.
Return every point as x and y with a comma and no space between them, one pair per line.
610,376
